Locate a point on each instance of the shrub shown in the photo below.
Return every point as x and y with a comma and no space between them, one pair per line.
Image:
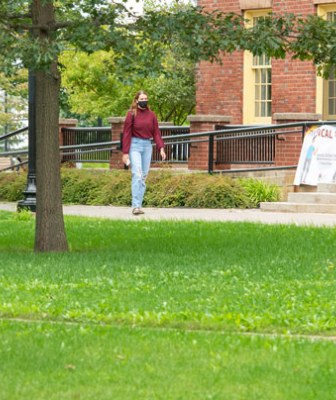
167,190
81,186
12,186
260,191
164,189
218,192
114,189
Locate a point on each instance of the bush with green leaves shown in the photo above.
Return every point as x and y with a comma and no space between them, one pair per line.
259,191
164,189
12,186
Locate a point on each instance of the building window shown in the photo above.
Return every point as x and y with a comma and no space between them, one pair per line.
331,98
330,84
331,16
262,86
326,88
257,80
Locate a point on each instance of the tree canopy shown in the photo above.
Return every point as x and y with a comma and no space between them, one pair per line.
91,25
91,84
94,87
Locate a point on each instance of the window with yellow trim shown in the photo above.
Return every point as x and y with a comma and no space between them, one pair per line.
329,95
326,89
257,80
262,71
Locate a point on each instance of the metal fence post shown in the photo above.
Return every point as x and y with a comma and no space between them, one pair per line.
211,154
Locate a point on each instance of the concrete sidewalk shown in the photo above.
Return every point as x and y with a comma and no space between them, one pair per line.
233,215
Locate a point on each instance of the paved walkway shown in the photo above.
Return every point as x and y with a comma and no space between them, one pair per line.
234,215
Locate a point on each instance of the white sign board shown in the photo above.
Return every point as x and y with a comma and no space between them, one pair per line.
317,163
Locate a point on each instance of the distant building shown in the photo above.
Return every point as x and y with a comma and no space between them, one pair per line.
260,90
13,112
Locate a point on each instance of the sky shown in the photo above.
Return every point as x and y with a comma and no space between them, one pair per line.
138,6
134,6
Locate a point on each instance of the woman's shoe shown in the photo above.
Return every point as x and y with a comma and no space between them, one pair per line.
137,211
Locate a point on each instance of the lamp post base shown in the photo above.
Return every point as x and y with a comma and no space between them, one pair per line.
29,202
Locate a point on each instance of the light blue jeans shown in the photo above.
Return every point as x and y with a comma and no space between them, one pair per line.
140,157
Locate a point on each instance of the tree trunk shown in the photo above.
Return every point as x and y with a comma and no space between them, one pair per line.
50,231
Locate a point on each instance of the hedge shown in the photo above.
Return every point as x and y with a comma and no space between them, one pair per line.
164,189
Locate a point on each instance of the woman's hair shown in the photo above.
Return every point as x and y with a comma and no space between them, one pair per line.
134,105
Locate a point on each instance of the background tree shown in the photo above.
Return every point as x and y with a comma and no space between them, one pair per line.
13,104
33,34
173,91
94,87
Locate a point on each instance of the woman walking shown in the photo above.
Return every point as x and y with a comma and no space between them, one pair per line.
141,125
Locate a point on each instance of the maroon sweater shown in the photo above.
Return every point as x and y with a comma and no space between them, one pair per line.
145,126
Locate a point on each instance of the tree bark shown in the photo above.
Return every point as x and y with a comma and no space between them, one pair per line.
50,231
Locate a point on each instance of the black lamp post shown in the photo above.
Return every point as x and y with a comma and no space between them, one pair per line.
29,202
6,125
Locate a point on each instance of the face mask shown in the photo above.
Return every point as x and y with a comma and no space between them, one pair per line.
142,103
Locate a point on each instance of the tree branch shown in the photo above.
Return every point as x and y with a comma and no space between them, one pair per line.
17,16
60,25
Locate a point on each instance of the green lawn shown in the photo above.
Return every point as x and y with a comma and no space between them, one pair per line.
168,310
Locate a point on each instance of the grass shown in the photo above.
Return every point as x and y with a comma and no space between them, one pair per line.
44,361
168,310
95,165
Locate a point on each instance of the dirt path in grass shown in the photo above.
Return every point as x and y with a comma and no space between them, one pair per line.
267,335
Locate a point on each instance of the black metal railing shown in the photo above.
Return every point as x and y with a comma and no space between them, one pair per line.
251,145
252,150
79,136
243,139
177,152
279,132
13,158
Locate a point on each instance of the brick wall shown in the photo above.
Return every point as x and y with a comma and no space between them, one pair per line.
293,81
288,147
293,86
199,152
65,123
220,87
117,125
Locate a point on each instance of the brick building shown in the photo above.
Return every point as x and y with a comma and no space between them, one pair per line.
247,90
258,90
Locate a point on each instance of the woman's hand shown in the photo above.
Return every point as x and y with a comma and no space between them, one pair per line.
162,154
126,159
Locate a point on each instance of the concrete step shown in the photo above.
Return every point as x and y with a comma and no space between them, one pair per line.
326,187
298,207
317,197
5,162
